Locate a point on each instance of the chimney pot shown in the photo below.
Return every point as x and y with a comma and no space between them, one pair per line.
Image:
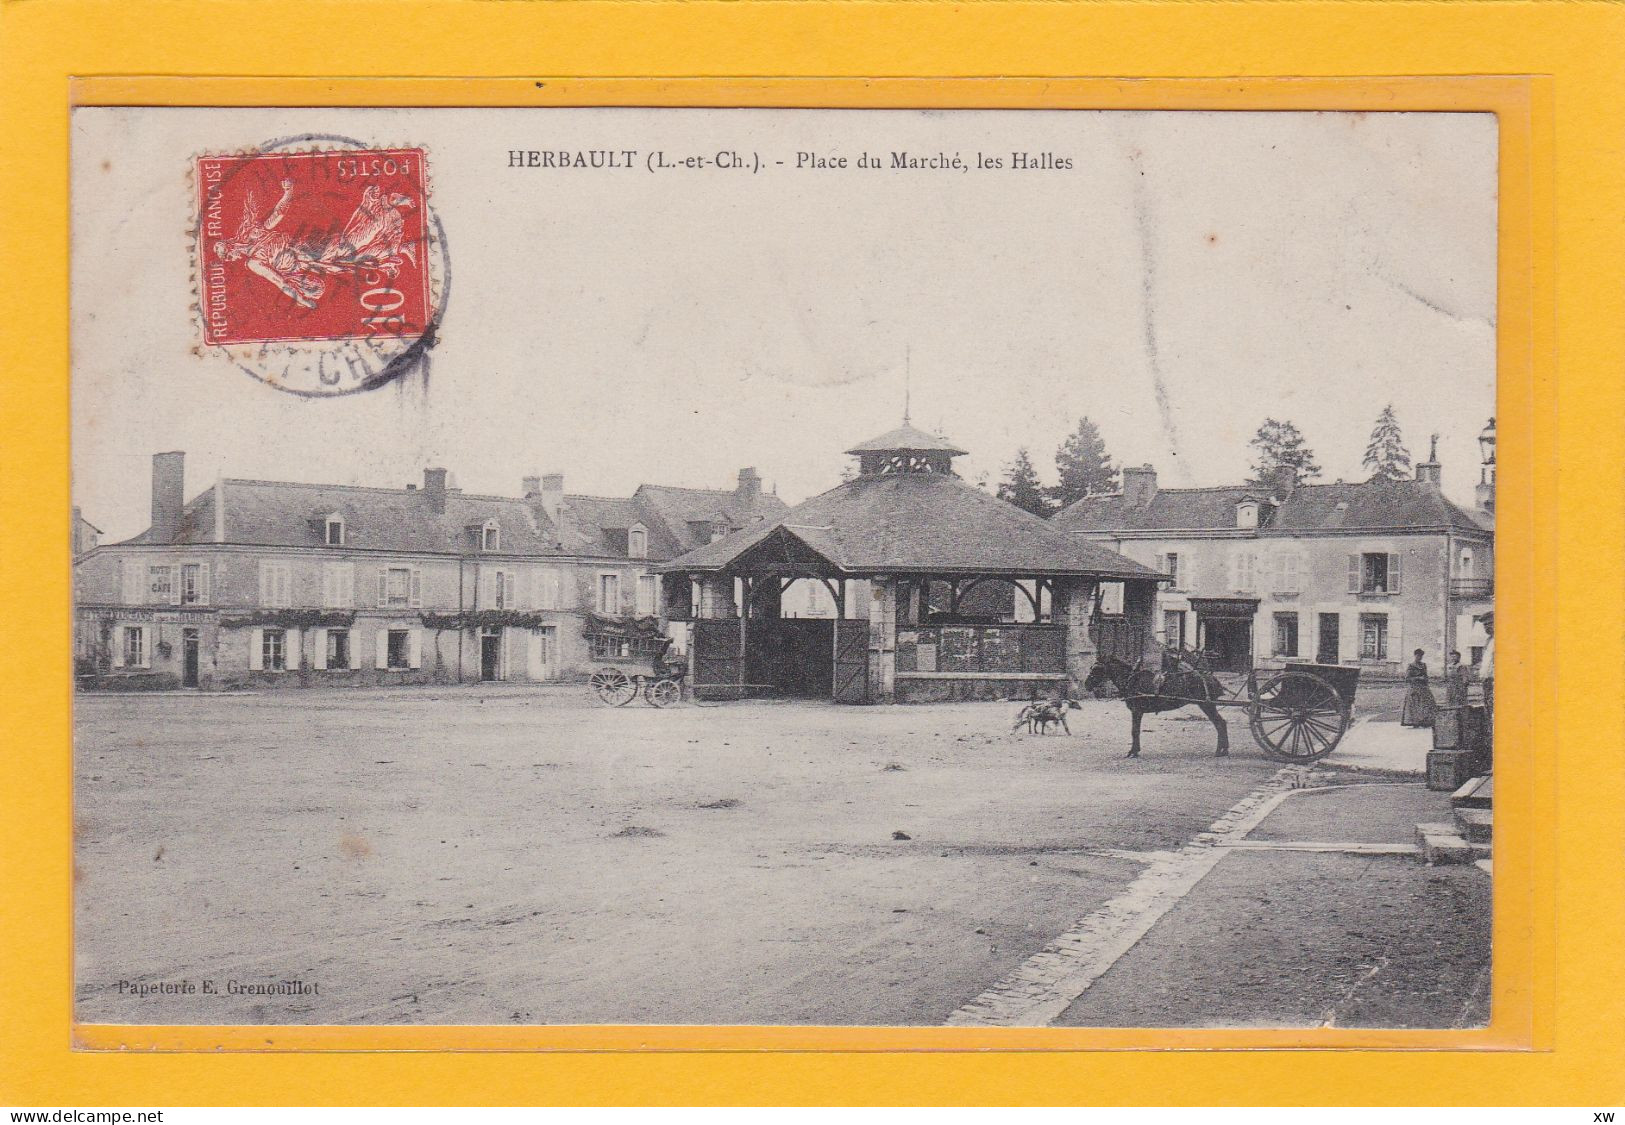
168,495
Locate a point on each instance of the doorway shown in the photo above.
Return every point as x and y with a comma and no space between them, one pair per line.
1327,647
491,655
1229,643
189,657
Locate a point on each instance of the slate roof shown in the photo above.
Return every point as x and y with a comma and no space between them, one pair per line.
1363,507
921,523
906,439
291,514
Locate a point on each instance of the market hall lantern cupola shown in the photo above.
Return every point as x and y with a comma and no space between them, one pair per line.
906,450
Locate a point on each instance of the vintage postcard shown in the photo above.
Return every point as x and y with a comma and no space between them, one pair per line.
953,568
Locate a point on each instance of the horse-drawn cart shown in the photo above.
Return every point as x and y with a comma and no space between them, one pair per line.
1298,714
1301,713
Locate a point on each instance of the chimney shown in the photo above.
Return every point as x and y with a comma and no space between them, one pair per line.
1484,493
1284,478
434,486
749,488
1430,470
1139,485
553,496
168,495
530,486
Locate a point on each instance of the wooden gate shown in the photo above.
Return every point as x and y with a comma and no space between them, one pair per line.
851,661
719,670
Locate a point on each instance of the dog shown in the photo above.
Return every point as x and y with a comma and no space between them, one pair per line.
1039,716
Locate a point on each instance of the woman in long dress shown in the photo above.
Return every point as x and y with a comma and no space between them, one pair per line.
1420,706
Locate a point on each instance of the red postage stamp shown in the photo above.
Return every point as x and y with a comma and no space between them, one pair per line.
297,246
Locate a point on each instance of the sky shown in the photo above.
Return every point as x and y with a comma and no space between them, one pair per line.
1187,275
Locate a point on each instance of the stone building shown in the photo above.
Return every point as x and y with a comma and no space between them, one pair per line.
275,583
1336,573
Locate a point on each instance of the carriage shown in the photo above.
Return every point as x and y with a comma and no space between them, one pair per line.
1298,714
644,671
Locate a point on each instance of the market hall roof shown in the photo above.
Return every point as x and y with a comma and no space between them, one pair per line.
907,439
910,521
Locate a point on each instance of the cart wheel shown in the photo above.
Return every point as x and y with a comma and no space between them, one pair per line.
1298,717
663,693
613,686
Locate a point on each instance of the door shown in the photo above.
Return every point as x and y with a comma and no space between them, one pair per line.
490,656
851,661
189,650
1326,647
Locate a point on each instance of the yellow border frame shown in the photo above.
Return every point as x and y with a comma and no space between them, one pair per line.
1572,1023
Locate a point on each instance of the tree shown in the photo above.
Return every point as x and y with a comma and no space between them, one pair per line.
1386,455
1277,444
1020,486
1086,468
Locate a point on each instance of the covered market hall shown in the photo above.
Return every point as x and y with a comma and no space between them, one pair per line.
937,591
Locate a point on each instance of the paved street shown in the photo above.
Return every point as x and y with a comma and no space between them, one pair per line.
554,861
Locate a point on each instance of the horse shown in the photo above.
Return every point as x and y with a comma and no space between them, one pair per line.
1180,687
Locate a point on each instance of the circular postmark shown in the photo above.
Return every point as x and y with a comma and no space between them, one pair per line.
320,265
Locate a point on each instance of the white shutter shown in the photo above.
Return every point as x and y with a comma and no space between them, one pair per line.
1348,636
507,589
175,584
414,648
1396,641
203,590
416,597
256,650
318,651
292,654
347,585
132,571
265,583
533,655
350,653
118,645
1354,574
382,644
330,582
383,588
1393,573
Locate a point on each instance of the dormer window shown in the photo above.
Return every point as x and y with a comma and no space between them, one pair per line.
490,536
333,534
1247,513
637,543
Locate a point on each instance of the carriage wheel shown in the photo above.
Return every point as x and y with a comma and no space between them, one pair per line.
613,686
663,693
1298,717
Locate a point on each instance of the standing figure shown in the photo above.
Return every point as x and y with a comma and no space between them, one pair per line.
1420,706
1456,676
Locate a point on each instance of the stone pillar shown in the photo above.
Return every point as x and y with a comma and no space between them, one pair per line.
1073,600
883,639
717,597
1140,608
